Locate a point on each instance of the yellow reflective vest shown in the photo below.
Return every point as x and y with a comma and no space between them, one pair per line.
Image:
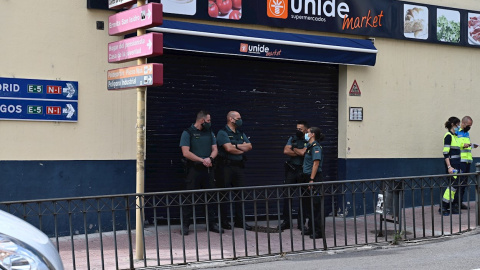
451,148
465,153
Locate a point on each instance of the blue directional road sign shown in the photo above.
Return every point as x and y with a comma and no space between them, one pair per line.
38,100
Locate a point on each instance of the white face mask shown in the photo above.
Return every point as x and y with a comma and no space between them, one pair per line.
306,137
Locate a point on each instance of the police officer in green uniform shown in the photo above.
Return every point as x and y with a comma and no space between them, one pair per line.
233,144
294,171
312,172
199,147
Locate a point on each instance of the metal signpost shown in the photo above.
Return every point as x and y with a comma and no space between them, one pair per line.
139,47
38,100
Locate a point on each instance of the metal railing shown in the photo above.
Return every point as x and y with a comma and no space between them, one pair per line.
98,232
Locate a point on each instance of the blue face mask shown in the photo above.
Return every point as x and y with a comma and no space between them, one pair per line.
456,129
306,137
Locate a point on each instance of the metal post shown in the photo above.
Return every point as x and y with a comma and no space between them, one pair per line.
477,194
139,252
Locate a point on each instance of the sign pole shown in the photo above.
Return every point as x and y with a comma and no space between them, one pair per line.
139,244
143,75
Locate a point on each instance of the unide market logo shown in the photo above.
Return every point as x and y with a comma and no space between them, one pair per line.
259,49
243,47
310,10
255,49
277,9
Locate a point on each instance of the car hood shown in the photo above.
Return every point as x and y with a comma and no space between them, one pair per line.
23,231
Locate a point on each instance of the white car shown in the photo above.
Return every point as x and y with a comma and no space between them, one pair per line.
23,246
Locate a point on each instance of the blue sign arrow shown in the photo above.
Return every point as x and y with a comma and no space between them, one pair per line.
43,89
38,100
38,110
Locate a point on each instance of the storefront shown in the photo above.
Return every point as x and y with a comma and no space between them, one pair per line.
276,63
402,29
277,80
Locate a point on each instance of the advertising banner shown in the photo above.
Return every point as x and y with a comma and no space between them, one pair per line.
371,18
266,44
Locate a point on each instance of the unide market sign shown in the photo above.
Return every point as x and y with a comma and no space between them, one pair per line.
372,18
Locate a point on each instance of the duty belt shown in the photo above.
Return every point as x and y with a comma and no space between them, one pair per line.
196,165
234,162
292,167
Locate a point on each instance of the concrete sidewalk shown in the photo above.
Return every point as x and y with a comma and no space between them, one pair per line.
165,245
444,253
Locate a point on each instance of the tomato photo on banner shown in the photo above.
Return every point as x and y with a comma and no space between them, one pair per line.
213,9
225,9
237,4
235,15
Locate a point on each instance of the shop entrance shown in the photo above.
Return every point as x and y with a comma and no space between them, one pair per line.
271,95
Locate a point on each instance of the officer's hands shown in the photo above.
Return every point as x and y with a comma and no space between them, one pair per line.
466,145
310,182
207,162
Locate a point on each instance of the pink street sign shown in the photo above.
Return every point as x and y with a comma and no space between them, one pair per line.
138,18
128,49
136,76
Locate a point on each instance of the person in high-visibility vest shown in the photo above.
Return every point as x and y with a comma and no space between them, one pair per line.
465,158
451,153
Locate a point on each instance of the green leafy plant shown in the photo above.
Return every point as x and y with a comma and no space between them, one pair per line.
397,237
448,31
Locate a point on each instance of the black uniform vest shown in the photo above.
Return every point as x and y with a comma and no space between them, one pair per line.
200,142
235,138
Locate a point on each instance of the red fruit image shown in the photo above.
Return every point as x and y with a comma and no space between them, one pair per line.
224,6
237,4
235,15
212,9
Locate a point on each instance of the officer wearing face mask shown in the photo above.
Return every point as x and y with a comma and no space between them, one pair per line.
293,171
233,144
199,147
312,172
465,157
451,153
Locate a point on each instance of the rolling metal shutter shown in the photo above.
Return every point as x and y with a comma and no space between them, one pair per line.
270,95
